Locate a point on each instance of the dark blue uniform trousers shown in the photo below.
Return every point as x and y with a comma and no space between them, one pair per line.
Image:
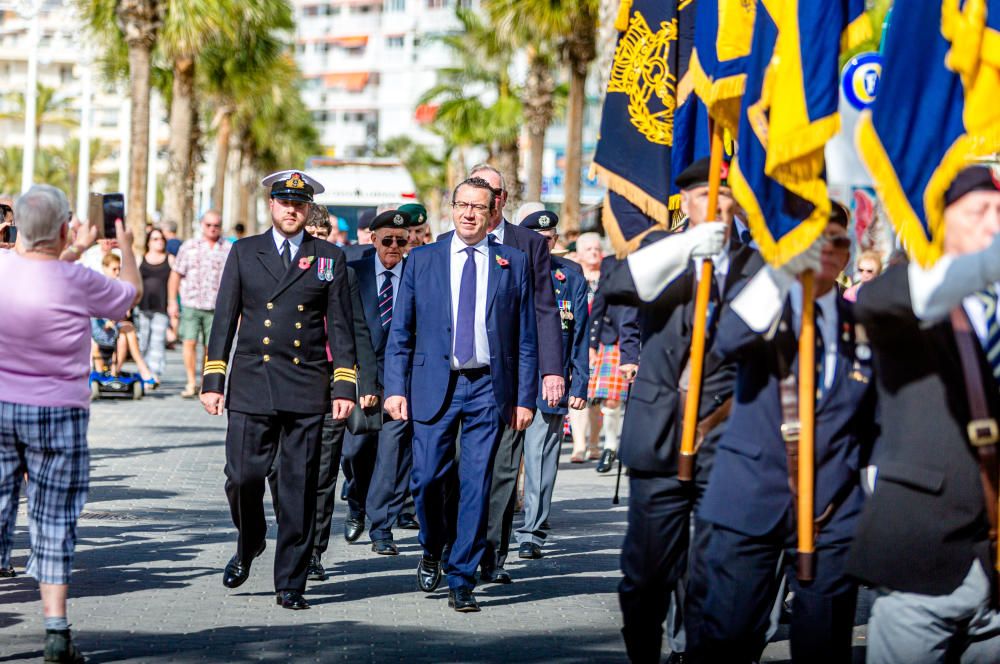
735,581
379,464
470,407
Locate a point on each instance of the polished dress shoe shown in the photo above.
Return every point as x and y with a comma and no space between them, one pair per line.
59,647
237,571
407,522
607,461
385,548
315,571
529,551
354,525
291,599
461,600
498,575
7,572
428,574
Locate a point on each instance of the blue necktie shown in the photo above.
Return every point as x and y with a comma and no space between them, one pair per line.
385,301
465,322
991,345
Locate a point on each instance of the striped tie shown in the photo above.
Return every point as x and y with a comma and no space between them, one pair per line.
992,342
385,301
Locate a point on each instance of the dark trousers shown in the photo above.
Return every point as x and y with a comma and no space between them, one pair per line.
503,494
657,554
735,576
379,471
472,408
331,441
252,443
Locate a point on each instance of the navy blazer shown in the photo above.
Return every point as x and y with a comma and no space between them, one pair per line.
571,300
748,490
419,348
536,249
356,252
368,287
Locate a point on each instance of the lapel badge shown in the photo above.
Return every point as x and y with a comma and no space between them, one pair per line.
501,261
560,276
305,262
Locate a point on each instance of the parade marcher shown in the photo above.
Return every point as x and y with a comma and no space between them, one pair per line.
543,438
660,281
924,539
44,398
379,461
419,227
748,511
471,331
585,425
288,294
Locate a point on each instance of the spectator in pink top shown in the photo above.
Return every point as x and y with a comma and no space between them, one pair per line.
197,273
44,400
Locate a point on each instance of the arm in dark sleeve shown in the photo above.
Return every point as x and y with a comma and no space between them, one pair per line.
629,335
399,345
528,355
340,332
547,316
367,361
598,308
885,300
581,332
228,305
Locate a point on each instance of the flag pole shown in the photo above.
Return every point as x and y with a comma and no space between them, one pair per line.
685,461
806,558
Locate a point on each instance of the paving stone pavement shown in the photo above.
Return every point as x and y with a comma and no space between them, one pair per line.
156,533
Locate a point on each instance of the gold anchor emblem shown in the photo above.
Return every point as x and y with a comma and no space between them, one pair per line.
295,182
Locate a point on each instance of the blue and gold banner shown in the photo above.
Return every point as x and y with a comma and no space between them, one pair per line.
788,114
937,111
723,36
633,156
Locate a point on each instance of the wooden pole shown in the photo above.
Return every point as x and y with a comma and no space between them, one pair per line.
806,558
685,462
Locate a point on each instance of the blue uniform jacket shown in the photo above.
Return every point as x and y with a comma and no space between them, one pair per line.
419,348
571,300
748,491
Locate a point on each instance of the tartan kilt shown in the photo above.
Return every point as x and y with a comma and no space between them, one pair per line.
606,381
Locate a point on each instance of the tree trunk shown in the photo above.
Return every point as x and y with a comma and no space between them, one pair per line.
241,190
570,218
507,159
138,62
221,158
181,128
538,111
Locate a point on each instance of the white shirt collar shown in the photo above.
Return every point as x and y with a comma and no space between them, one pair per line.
499,230
380,268
458,245
279,239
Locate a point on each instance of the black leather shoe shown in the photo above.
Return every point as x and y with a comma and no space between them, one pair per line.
315,571
498,575
461,600
237,571
354,525
545,525
407,522
291,599
529,550
607,461
676,658
385,548
428,574
59,647
7,572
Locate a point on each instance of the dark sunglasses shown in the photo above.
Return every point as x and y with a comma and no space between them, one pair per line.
839,241
399,241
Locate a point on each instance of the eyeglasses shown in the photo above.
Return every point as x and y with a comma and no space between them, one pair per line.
398,241
866,270
478,208
839,241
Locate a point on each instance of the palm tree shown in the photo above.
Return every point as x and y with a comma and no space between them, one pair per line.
50,109
572,26
10,169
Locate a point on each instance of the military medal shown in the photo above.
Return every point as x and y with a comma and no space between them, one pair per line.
328,273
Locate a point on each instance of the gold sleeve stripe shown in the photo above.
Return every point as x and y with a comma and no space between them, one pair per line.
213,370
216,364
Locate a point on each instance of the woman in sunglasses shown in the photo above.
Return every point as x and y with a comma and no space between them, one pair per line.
869,266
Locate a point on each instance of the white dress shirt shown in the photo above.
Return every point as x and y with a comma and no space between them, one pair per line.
720,265
976,311
826,326
394,275
481,358
293,242
499,230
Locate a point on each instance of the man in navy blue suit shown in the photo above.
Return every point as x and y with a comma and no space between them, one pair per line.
379,461
462,356
749,506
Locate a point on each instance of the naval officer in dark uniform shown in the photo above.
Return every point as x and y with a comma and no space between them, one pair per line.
288,294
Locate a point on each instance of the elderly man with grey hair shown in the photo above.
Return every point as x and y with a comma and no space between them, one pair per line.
44,398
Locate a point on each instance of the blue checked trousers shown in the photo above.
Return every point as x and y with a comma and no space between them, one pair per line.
52,442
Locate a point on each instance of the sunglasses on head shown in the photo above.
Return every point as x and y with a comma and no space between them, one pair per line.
399,241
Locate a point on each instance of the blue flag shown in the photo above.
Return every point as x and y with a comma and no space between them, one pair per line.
937,111
723,36
788,113
633,156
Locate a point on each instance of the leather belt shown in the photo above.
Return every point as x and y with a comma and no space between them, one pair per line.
982,428
790,428
472,373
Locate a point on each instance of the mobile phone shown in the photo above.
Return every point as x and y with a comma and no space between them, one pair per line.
114,209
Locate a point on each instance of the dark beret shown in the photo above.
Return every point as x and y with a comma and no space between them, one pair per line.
839,214
390,219
696,175
974,178
365,218
541,220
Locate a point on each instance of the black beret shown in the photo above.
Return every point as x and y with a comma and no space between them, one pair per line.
974,178
390,219
541,220
839,213
365,218
696,175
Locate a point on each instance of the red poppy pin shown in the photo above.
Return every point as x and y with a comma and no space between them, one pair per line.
502,262
560,276
305,262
